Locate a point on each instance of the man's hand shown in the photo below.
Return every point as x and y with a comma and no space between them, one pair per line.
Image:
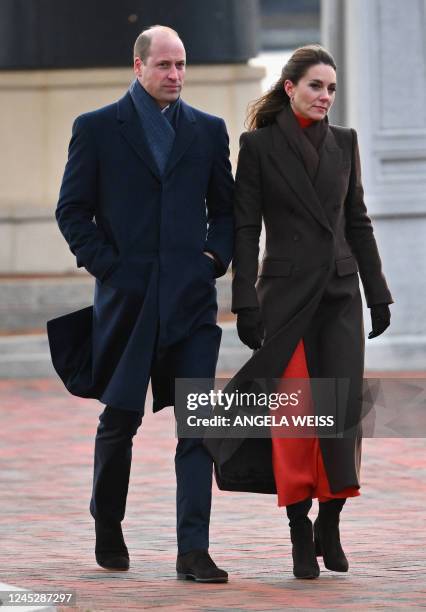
250,327
380,319
217,264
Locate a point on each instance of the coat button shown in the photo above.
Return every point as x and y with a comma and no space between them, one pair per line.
296,237
336,206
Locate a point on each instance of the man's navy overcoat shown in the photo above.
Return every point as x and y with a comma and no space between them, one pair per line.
142,236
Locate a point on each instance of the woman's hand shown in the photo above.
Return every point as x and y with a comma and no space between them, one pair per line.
380,319
250,327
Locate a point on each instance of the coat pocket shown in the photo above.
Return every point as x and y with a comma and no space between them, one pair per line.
276,267
130,277
346,266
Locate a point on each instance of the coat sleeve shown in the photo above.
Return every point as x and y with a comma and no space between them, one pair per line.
76,207
219,202
360,236
248,226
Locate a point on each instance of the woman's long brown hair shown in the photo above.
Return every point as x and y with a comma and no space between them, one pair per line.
263,111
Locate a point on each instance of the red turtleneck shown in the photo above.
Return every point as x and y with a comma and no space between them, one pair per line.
303,121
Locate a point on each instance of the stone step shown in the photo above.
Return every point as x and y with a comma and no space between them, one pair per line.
27,355
26,303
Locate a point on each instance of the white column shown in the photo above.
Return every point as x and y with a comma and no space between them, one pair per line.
383,69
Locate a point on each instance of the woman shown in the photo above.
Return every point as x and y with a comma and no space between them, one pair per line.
302,310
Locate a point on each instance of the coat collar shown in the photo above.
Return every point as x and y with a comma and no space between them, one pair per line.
185,134
312,195
132,131
131,128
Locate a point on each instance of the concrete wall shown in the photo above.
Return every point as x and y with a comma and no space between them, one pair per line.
37,109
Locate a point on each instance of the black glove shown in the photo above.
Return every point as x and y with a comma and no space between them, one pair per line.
380,319
250,327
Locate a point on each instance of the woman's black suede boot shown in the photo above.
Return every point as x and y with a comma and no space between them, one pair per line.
327,536
305,564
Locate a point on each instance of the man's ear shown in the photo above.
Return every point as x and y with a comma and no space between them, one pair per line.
137,66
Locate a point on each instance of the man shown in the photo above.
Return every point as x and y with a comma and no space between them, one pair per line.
155,175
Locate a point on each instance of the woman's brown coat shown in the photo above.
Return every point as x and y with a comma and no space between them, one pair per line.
318,236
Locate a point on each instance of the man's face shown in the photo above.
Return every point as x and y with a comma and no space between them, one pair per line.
163,72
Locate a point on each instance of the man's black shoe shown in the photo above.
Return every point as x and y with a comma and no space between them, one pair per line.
111,551
199,566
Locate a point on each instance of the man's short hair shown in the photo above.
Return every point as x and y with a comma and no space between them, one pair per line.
143,41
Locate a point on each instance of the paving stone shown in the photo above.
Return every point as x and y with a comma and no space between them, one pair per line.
46,452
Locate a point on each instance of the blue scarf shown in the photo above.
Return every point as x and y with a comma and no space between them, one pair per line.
159,127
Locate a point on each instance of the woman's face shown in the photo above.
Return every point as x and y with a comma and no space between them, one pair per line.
314,93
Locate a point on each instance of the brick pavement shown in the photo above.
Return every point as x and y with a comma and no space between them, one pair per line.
47,533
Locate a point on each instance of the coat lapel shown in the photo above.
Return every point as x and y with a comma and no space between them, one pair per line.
132,131
291,167
185,134
328,169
